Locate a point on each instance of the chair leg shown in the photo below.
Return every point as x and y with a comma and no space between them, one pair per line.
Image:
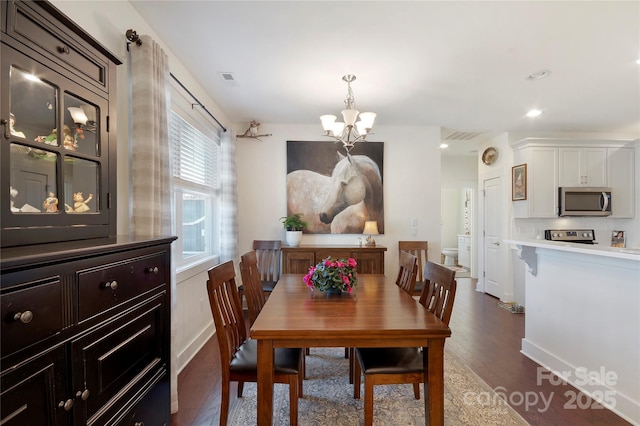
416,390
352,361
300,377
224,403
356,378
240,389
294,382
368,400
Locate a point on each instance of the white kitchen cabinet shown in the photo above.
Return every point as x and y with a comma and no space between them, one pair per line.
621,180
542,181
583,166
464,251
555,163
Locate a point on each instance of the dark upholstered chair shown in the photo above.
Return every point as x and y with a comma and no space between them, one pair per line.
420,250
404,365
238,354
406,279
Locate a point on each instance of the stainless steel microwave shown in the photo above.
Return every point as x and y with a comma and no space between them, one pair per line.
584,201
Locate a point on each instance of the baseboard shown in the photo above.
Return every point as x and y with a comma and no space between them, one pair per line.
623,406
191,350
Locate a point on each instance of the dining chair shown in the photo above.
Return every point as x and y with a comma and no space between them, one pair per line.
406,279
268,253
252,285
239,354
420,249
383,366
269,256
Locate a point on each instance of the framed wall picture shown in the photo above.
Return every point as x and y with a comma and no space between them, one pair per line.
617,239
519,182
335,193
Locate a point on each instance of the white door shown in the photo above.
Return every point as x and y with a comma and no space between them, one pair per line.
492,237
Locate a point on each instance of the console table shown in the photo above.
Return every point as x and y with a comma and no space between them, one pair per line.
297,260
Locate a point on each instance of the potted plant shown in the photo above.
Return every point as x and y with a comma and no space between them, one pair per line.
294,225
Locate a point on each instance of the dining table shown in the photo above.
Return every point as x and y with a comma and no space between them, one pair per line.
377,313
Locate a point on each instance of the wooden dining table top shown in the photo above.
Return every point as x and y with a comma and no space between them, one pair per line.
377,308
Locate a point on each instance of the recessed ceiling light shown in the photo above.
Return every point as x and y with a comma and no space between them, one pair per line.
538,75
534,113
638,61
444,145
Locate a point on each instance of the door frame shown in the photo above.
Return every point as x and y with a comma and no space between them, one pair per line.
501,168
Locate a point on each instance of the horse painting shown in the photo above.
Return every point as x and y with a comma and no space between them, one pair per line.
342,202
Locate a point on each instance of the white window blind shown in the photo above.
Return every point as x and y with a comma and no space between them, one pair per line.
196,157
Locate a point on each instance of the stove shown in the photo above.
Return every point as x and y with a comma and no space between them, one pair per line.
582,236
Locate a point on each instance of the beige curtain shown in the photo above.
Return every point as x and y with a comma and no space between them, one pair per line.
151,199
229,199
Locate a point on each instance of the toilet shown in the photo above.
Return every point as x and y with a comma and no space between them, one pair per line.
450,256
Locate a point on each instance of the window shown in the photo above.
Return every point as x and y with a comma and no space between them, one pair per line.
195,153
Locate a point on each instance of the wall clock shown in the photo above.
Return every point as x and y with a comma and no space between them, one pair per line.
489,156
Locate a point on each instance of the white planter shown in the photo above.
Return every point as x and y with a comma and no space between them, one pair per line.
293,238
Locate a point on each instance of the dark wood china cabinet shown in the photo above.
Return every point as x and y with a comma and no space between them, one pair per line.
85,329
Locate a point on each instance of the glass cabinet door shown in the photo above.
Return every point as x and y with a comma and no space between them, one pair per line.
53,131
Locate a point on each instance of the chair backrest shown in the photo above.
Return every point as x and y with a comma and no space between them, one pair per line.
439,290
418,249
408,271
268,253
252,285
231,329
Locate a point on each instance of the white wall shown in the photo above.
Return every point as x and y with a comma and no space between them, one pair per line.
411,181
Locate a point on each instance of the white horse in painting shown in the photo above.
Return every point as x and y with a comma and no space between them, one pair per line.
341,203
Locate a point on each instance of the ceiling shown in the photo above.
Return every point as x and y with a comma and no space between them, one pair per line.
459,65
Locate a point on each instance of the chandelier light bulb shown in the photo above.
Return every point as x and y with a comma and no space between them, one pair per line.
327,122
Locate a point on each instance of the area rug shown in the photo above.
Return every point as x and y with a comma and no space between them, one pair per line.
328,398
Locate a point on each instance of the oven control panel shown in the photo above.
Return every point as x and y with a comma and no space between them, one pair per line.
570,235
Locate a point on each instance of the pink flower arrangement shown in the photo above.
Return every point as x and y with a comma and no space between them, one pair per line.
333,274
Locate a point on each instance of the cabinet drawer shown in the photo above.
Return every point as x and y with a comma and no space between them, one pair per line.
31,314
110,285
125,353
31,393
31,28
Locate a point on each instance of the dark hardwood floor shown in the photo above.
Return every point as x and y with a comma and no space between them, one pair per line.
486,336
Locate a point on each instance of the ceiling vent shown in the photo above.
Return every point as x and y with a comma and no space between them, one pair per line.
457,135
228,78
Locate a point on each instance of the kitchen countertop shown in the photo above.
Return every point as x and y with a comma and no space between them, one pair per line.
595,249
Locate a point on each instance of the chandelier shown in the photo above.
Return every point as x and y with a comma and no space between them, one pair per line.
350,131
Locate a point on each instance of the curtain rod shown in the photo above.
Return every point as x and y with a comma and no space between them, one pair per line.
197,102
133,37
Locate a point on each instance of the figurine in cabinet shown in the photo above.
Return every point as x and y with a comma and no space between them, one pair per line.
50,203
12,123
79,204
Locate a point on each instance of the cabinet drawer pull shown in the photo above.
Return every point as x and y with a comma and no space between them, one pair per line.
67,405
24,317
63,49
153,270
84,395
111,284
